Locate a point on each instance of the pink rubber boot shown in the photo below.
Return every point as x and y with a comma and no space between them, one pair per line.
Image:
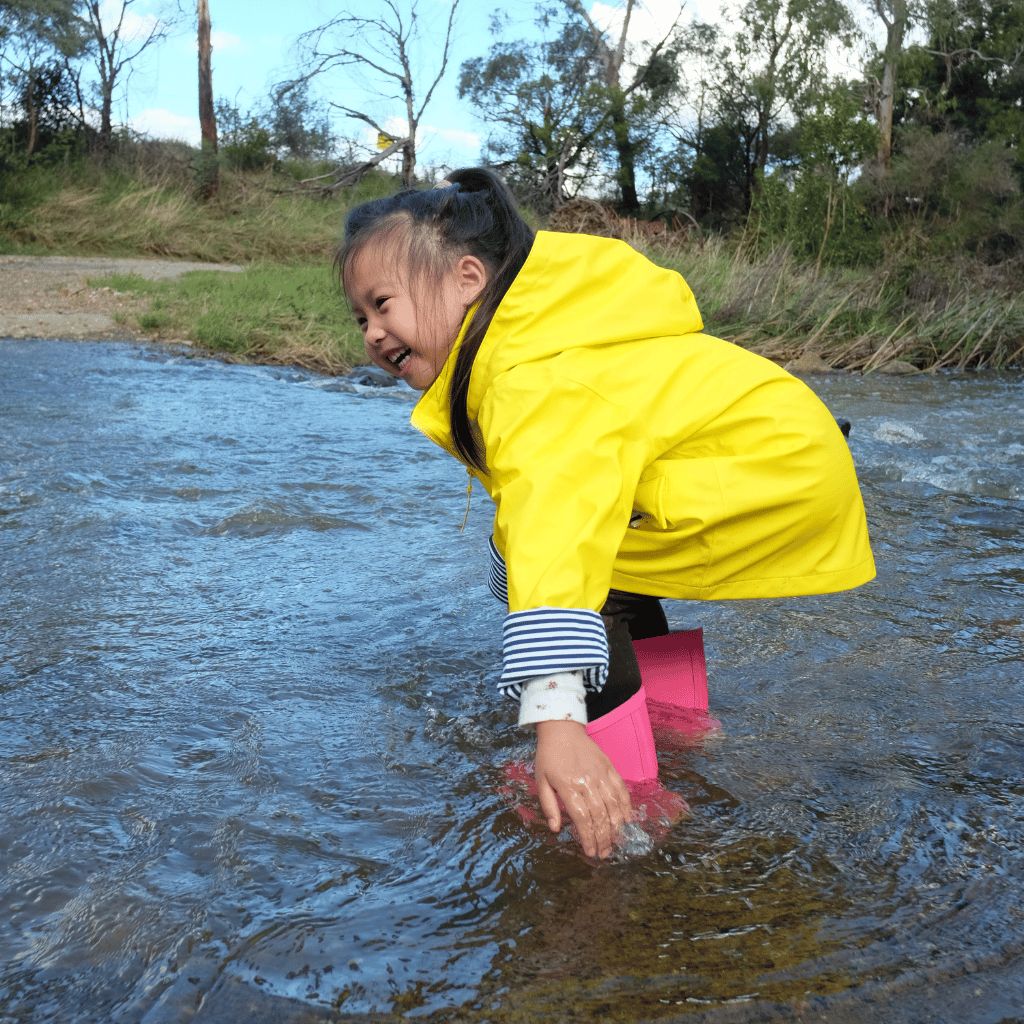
624,734
676,682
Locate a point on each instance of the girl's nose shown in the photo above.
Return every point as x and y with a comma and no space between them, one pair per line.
375,333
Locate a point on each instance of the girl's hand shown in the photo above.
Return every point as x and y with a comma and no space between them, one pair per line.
572,765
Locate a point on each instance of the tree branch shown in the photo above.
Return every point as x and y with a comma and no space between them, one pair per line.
444,60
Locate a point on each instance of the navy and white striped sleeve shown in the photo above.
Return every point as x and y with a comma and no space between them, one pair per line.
545,641
497,579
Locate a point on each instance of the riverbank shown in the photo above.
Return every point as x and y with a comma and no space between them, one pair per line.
244,315
52,297
925,306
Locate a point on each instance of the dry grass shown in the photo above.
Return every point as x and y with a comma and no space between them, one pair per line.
972,317
934,312
247,221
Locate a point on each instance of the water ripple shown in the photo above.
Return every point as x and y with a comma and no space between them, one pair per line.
253,759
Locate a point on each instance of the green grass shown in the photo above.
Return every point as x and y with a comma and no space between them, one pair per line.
276,313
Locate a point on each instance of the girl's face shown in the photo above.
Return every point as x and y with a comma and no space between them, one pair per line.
410,335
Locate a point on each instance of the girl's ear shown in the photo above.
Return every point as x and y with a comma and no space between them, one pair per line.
471,278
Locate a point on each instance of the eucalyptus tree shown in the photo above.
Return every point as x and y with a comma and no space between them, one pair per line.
118,36
634,80
969,73
380,46
545,112
896,16
37,38
758,78
975,77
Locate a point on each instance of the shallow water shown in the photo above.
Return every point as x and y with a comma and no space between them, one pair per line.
250,752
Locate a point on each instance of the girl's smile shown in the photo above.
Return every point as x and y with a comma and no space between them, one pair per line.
410,336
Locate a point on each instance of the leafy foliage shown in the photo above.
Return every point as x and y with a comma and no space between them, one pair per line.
815,210
546,112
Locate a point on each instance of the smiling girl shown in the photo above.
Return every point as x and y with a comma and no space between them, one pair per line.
630,457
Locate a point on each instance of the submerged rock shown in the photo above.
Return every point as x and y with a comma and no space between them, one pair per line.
371,376
897,366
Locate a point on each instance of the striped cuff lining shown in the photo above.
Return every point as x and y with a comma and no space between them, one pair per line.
497,579
544,641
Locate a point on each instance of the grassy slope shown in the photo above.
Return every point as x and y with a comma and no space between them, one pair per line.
286,307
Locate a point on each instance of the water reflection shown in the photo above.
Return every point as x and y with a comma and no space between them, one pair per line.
250,753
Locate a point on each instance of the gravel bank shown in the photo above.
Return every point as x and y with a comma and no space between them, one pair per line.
49,297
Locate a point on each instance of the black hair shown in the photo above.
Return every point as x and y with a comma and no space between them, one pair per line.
429,230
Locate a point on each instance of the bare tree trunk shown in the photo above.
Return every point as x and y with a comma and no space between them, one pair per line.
208,170
33,119
895,30
116,48
106,67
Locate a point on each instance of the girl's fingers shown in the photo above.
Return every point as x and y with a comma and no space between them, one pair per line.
549,805
598,815
571,766
579,811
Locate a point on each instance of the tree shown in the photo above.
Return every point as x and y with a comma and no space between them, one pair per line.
117,38
245,142
895,15
545,112
754,85
37,37
781,50
975,77
813,208
624,101
207,118
968,76
299,125
384,61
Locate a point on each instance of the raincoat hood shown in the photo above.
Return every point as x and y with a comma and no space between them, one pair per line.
573,291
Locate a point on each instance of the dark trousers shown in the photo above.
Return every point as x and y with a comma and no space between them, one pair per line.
627,617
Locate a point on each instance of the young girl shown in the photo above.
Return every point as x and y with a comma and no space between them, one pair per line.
630,456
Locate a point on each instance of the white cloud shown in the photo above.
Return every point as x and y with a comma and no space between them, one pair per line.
134,27
162,124
224,42
453,136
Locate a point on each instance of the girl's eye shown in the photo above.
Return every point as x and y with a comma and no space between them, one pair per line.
380,304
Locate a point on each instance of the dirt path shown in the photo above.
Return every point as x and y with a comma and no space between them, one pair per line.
49,297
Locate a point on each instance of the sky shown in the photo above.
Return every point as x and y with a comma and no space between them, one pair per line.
253,47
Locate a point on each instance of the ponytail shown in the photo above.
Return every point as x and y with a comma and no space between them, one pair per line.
472,213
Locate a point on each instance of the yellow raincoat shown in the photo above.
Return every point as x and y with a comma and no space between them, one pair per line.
626,449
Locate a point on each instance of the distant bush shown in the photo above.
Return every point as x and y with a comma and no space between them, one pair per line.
244,143
816,210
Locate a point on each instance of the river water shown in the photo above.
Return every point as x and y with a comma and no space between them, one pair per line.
249,751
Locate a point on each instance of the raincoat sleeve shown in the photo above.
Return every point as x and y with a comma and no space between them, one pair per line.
563,463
